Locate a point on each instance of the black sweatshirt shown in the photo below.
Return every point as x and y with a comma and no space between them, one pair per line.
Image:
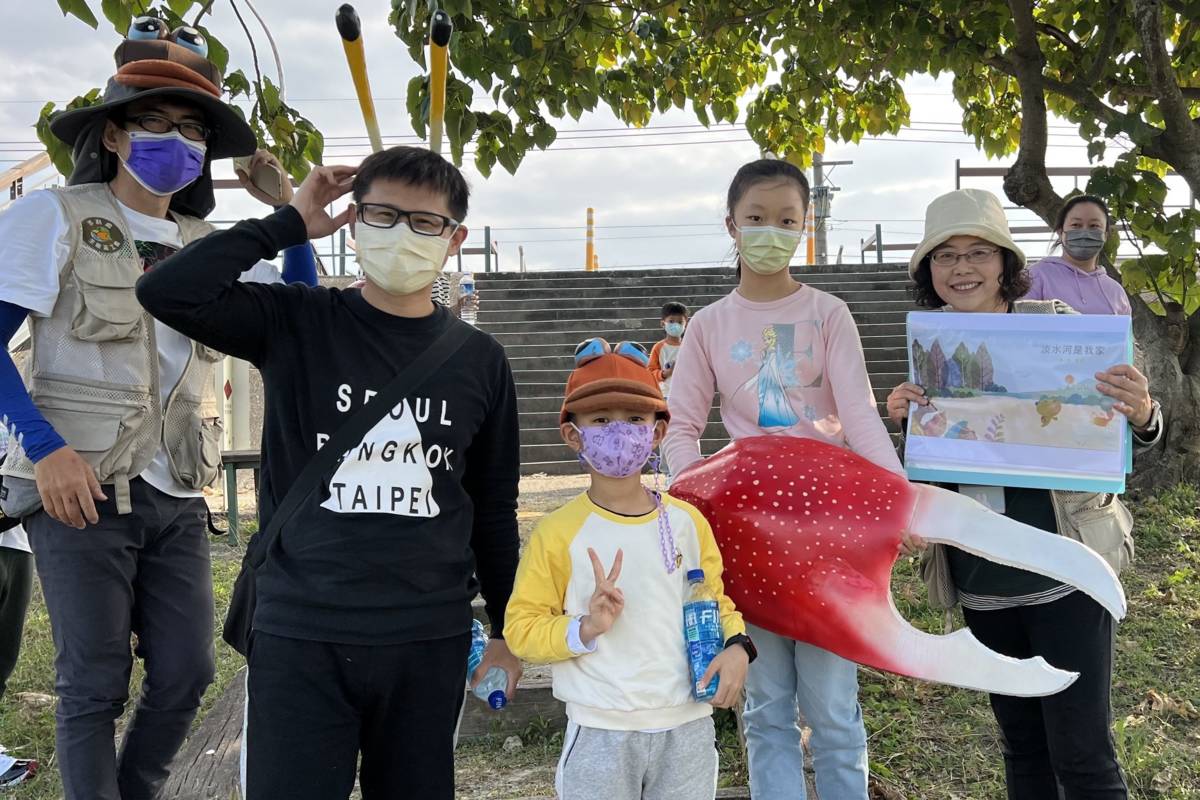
386,549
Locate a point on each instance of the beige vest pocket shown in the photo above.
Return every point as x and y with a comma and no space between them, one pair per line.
106,307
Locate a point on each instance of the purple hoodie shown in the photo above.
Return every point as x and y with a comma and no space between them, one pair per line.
1094,292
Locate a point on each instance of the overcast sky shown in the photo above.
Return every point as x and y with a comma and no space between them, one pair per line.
672,192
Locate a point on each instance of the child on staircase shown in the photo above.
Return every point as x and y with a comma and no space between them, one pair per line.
666,350
600,593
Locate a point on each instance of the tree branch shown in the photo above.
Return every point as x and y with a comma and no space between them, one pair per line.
1107,43
1181,134
1026,183
1062,36
204,10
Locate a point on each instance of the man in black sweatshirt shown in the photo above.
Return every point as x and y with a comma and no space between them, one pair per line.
362,626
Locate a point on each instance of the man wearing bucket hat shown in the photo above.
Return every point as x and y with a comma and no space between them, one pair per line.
114,429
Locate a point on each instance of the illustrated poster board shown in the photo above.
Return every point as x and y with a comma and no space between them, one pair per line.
1014,402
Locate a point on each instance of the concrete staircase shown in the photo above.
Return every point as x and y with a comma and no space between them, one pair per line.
539,318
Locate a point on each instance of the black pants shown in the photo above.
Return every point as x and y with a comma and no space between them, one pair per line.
1064,740
145,573
314,707
16,582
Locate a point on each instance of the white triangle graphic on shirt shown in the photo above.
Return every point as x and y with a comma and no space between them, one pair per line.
386,473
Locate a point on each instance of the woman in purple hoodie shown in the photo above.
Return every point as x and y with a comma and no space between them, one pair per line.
1076,277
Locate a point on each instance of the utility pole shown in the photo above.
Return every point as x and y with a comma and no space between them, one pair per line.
822,200
820,193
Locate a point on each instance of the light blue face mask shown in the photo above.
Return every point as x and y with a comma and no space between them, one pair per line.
674,329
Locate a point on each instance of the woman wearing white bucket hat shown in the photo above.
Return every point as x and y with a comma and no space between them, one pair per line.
968,262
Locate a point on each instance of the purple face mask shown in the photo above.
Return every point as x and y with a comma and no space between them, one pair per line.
616,449
164,163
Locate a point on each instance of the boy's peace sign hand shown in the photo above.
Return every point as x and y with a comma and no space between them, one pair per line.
318,191
607,600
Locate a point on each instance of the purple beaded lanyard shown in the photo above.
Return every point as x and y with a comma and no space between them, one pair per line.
666,538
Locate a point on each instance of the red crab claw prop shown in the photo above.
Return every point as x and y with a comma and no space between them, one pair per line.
809,533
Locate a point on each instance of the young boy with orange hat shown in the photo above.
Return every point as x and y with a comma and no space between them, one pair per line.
614,633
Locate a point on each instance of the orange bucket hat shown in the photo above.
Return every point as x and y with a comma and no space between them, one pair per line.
612,377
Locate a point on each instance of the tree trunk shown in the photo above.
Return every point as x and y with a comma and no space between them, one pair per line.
1171,361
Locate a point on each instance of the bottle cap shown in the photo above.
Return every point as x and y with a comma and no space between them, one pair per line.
497,700
694,575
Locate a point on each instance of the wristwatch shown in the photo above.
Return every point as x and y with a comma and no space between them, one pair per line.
1155,419
746,644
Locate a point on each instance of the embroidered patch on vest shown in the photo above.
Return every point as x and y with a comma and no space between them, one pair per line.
102,235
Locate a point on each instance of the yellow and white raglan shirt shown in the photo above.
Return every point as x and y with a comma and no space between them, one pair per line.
634,677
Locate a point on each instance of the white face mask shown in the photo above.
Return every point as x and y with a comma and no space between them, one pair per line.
767,249
398,260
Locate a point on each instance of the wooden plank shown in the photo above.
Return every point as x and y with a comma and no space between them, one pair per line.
533,701
241,456
208,767
26,168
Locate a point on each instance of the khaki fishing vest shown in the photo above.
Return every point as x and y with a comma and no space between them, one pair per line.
93,367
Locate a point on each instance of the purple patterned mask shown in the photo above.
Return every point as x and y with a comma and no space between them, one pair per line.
616,449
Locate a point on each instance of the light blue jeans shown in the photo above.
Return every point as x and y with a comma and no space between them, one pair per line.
790,675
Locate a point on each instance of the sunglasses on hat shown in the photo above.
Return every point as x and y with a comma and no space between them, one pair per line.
591,349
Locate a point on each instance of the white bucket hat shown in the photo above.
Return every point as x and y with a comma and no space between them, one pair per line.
964,212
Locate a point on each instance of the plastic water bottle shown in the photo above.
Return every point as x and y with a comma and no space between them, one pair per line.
702,632
466,288
491,689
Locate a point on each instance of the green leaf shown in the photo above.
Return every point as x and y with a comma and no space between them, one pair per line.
415,103
217,52
236,84
269,96
78,8
510,158
544,135
118,13
180,7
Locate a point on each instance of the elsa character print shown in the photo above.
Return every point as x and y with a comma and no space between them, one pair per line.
775,375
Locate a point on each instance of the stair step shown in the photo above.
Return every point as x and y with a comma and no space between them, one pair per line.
694,298
533,420
645,326
674,290
564,359
489,316
549,396
800,272
559,376
560,344
573,332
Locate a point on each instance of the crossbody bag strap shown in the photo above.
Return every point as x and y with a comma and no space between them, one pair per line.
358,426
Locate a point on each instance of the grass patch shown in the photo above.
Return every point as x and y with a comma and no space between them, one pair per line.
27,730
928,742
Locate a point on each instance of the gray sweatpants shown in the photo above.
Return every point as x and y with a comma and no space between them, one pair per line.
679,764
145,573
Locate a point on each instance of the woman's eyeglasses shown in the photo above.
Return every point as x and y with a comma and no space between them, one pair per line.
976,255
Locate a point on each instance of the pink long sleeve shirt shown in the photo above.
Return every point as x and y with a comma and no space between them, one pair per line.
792,367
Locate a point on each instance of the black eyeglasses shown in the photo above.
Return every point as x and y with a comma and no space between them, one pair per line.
426,223
156,123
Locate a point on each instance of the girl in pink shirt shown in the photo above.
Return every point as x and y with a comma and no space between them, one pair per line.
787,360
